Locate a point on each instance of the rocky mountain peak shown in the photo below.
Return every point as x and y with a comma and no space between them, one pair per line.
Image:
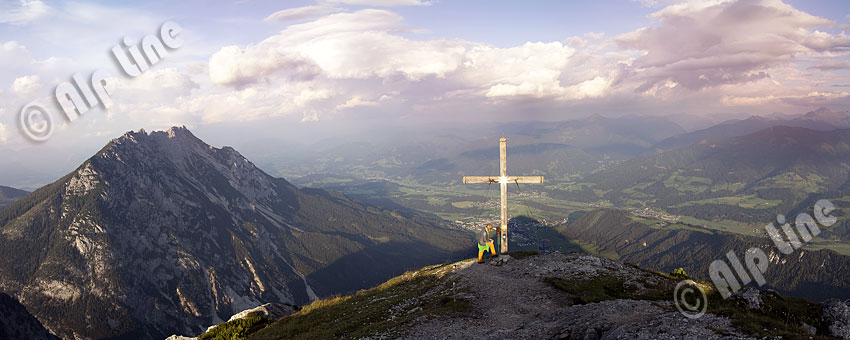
160,233
177,142
178,150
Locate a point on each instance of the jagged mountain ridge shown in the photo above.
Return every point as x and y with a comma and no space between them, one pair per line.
159,233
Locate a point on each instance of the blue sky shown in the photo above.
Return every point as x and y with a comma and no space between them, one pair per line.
302,68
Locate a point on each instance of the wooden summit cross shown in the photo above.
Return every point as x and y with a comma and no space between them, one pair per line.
503,179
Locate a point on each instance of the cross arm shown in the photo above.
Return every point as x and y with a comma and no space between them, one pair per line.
525,179
510,179
480,179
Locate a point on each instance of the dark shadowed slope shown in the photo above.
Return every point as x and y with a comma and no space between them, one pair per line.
17,323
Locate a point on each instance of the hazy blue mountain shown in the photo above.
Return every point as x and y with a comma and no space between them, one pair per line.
839,119
821,119
9,195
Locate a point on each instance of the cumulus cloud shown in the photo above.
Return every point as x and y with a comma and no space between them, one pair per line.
695,52
707,43
26,85
24,72
22,12
366,45
301,13
532,69
355,45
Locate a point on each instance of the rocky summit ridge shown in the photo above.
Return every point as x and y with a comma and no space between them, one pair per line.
552,296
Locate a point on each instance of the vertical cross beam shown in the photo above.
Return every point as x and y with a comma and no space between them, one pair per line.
503,182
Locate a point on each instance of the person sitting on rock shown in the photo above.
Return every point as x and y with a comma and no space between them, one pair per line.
485,243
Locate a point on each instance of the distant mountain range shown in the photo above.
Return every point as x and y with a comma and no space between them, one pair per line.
786,165
159,233
821,119
559,149
9,195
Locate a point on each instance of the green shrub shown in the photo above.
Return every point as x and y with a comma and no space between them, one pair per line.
237,329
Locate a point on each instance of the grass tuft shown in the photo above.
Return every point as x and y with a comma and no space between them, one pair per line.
237,329
606,287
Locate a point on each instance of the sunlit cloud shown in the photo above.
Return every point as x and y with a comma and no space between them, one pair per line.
707,43
26,85
301,13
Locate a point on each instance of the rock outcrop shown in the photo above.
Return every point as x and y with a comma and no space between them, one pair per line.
272,311
837,314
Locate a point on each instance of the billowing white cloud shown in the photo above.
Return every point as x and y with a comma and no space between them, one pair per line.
26,85
301,13
533,69
701,44
22,12
366,45
333,45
